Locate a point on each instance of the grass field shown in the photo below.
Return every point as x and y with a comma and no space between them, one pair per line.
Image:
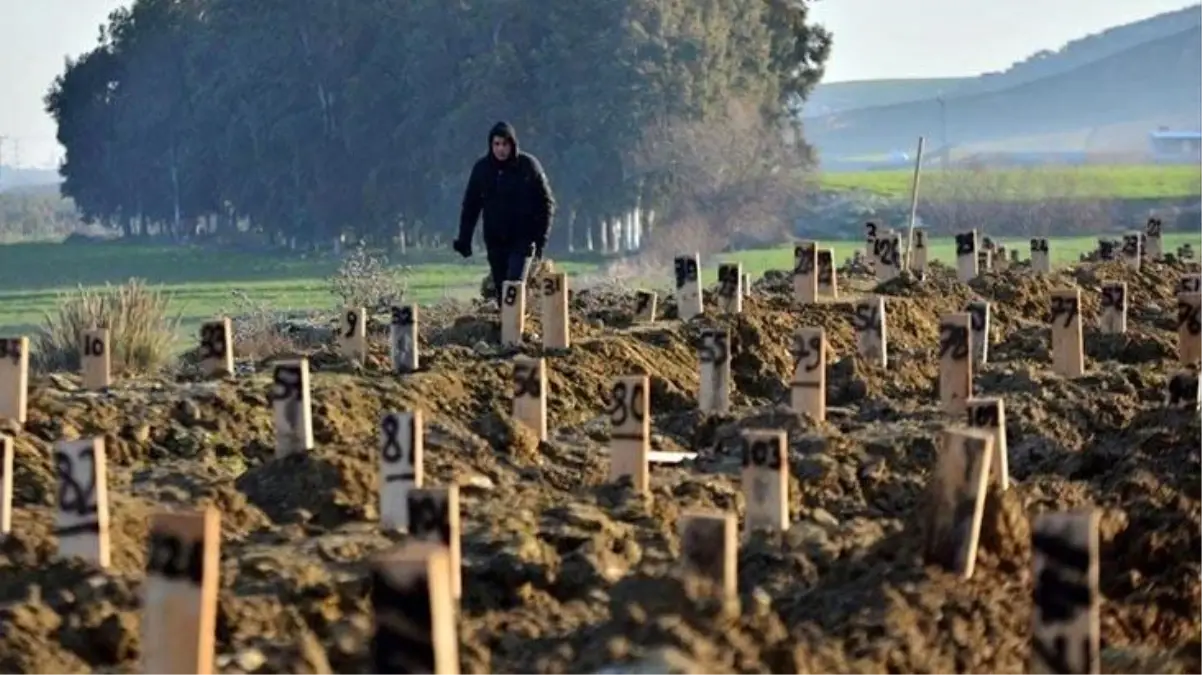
1106,182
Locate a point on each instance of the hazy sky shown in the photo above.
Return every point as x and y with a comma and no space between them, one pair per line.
873,39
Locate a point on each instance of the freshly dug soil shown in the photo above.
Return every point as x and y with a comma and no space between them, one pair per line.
564,573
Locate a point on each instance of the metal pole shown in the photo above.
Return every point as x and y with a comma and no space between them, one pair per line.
914,200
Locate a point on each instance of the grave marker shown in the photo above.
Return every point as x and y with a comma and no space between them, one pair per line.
966,256
1189,340
402,450
14,379
998,262
1041,259
709,546
217,347
630,435
918,257
1068,351
82,518
1190,283
96,359
746,285
1113,318
1131,250
6,485
688,286
1183,389
984,261
434,517
868,319
291,407
989,414
730,291
1106,249
530,394
870,235
413,611
887,251
955,364
555,311
513,312
957,500
644,307
765,480
714,355
402,339
980,312
352,334
828,274
1153,244
805,272
808,388
1065,627
179,615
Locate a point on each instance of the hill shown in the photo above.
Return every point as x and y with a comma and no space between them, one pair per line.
12,177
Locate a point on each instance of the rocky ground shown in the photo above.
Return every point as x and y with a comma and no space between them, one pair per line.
564,573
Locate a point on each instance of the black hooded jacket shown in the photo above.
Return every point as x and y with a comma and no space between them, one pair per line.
514,196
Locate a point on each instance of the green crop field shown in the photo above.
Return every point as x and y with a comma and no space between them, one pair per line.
1095,182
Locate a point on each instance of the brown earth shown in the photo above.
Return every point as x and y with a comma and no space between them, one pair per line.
563,573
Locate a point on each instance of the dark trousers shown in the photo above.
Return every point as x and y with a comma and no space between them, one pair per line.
508,264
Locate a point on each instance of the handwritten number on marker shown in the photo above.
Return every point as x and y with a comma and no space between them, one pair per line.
643,302
93,346
1112,296
511,295
965,244
807,348
550,285
984,416
686,271
871,227
953,340
212,341
402,316
620,408
976,311
10,348
1131,245
765,453
392,450
526,381
352,321
714,348
73,497
1066,307
867,318
1187,315
174,558
803,260
1039,245
429,515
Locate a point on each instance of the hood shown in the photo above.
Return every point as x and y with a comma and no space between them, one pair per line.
504,130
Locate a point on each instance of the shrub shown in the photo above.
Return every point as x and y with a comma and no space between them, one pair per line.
365,280
141,331
261,331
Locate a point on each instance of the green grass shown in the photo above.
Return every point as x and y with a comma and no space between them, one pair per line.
1108,182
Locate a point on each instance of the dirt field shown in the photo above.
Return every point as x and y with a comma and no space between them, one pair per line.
564,573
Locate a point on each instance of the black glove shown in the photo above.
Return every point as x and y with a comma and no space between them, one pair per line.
463,248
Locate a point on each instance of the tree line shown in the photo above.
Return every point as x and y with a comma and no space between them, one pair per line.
303,121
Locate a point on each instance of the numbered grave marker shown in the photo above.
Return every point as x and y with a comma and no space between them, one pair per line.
984,261
1189,340
217,347
1013,256
955,362
292,407
513,312
998,261
1131,249
1065,626
1114,307
1041,259
14,379
868,319
556,333
630,436
966,256
688,286
709,546
644,306
746,285
980,311
828,275
765,480
1106,249
714,355
957,499
1068,351
402,448
96,359
1153,245
352,334
808,387
989,414
870,237
918,257
1183,390
434,517
6,486
1190,283
82,519
530,394
413,611
888,257
402,339
805,272
179,615
730,288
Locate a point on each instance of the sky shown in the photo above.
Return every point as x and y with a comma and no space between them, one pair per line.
873,39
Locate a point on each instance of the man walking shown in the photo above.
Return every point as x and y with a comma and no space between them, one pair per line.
511,189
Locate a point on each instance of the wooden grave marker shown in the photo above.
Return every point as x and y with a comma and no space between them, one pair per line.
730,288
808,386
955,361
957,499
556,332
291,404
1113,318
1041,259
1189,340
352,334
918,257
714,393
96,359
966,256
998,262
688,286
1068,350
887,252
1153,244
513,312
1131,250
644,306
765,480
984,261
1183,389
989,414
6,485
403,346
402,452
869,320
870,236
709,546
530,394
179,596
805,273
413,611
82,518
14,379
746,285
216,349
1190,283
828,274
1066,621
981,313
434,517
630,430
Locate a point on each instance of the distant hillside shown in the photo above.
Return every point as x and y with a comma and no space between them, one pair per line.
13,177
1152,83
835,97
